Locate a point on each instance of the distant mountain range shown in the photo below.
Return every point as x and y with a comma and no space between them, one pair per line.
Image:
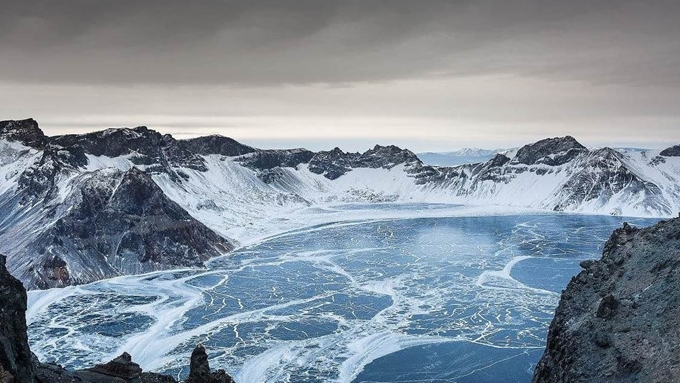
77,208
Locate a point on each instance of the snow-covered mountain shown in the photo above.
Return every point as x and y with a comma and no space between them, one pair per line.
77,208
463,156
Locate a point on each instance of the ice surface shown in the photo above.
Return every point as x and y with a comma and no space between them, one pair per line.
341,302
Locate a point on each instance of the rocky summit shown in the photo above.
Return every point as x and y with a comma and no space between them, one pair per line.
551,151
618,320
141,145
673,151
224,146
25,131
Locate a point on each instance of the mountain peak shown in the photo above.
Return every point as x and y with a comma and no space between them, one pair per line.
113,142
673,151
144,146
391,151
216,144
550,151
25,131
498,160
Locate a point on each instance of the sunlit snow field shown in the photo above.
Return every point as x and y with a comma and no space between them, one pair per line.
445,299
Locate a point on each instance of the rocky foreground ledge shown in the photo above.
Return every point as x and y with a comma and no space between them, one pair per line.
619,319
19,365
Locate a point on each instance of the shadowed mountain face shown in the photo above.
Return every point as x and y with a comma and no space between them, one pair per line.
335,163
25,131
143,147
65,224
15,355
263,160
133,200
224,146
617,320
119,223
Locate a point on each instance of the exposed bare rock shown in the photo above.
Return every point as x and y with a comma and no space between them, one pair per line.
143,146
216,145
16,362
618,320
673,151
200,369
118,223
25,131
551,151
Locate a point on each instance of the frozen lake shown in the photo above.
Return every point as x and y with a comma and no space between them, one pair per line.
458,299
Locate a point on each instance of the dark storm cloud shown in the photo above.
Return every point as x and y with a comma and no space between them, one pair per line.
329,41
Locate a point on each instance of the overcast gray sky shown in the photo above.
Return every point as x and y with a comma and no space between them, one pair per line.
425,74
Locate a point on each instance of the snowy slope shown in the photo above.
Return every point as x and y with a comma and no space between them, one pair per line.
64,218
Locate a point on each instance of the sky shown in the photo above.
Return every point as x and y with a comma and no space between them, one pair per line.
430,75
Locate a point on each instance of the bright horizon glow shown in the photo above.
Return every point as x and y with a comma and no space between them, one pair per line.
422,115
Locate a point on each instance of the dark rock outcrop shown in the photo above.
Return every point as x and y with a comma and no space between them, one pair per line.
602,175
216,145
332,164
335,163
39,181
385,157
270,159
673,151
199,369
268,164
123,370
120,368
119,223
551,151
16,361
498,160
142,145
25,131
618,320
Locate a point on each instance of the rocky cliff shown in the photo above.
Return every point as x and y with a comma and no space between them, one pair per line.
19,365
117,223
16,361
25,131
618,320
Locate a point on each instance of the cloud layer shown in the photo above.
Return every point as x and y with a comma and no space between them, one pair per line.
428,74
337,41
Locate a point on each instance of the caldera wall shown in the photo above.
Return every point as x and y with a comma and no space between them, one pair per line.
618,320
